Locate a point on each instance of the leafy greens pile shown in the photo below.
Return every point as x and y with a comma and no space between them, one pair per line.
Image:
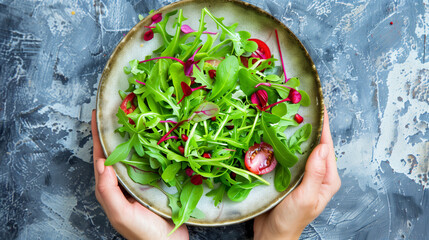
194,108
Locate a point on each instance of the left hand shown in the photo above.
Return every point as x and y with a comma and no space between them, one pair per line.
127,216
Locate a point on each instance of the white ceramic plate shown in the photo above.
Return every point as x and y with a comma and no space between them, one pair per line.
261,25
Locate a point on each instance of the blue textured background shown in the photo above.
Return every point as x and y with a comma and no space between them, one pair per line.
372,61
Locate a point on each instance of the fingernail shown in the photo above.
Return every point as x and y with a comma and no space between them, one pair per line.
323,151
100,167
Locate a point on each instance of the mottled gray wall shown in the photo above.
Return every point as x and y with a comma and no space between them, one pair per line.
372,60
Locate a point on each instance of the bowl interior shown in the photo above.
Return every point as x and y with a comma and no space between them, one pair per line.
261,25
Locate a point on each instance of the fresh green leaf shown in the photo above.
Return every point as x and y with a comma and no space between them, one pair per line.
300,136
250,46
217,194
178,75
282,153
158,157
282,178
204,111
170,172
173,46
201,78
248,82
239,192
198,214
292,82
305,99
142,177
279,110
226,77
138,148
121,151
189,198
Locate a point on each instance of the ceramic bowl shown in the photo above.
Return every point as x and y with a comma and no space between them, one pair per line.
261,25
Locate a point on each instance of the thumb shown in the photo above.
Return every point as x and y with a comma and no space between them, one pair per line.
315,169
111,196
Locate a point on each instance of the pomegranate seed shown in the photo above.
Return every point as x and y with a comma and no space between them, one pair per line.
184,137
212,73
229,127
181,149
189,171
213,118
233,175
207,155
197,179
298,118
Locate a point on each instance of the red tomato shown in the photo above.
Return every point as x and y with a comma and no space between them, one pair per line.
259,159
263,52
128,98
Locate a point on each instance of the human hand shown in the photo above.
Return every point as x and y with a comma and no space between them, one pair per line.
127,216
321,181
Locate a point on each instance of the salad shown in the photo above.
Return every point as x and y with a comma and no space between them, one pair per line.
208,108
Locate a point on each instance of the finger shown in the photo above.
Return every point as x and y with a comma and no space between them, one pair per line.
315,170
111,196
326,131
98,151
332,178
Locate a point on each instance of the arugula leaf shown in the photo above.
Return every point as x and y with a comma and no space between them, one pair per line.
226,77
300,136
171,50
282,153
123,119
138,148
138,162
239,39
159,75
161,28
173,202
159,96
279,110
282,178
121,151
239,192
189,198
248,82
159,158
178,75
292,109
142,177
198,214
305,99
217,194
292,82
200,77
134,68
170,172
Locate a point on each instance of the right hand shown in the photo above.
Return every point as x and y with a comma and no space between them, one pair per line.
321,181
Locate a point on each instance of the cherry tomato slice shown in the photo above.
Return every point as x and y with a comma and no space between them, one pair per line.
259,159
263,52
128,98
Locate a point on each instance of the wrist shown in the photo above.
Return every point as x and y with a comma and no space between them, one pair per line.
292,235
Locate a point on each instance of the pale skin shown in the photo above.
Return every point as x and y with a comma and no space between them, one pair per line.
286,221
